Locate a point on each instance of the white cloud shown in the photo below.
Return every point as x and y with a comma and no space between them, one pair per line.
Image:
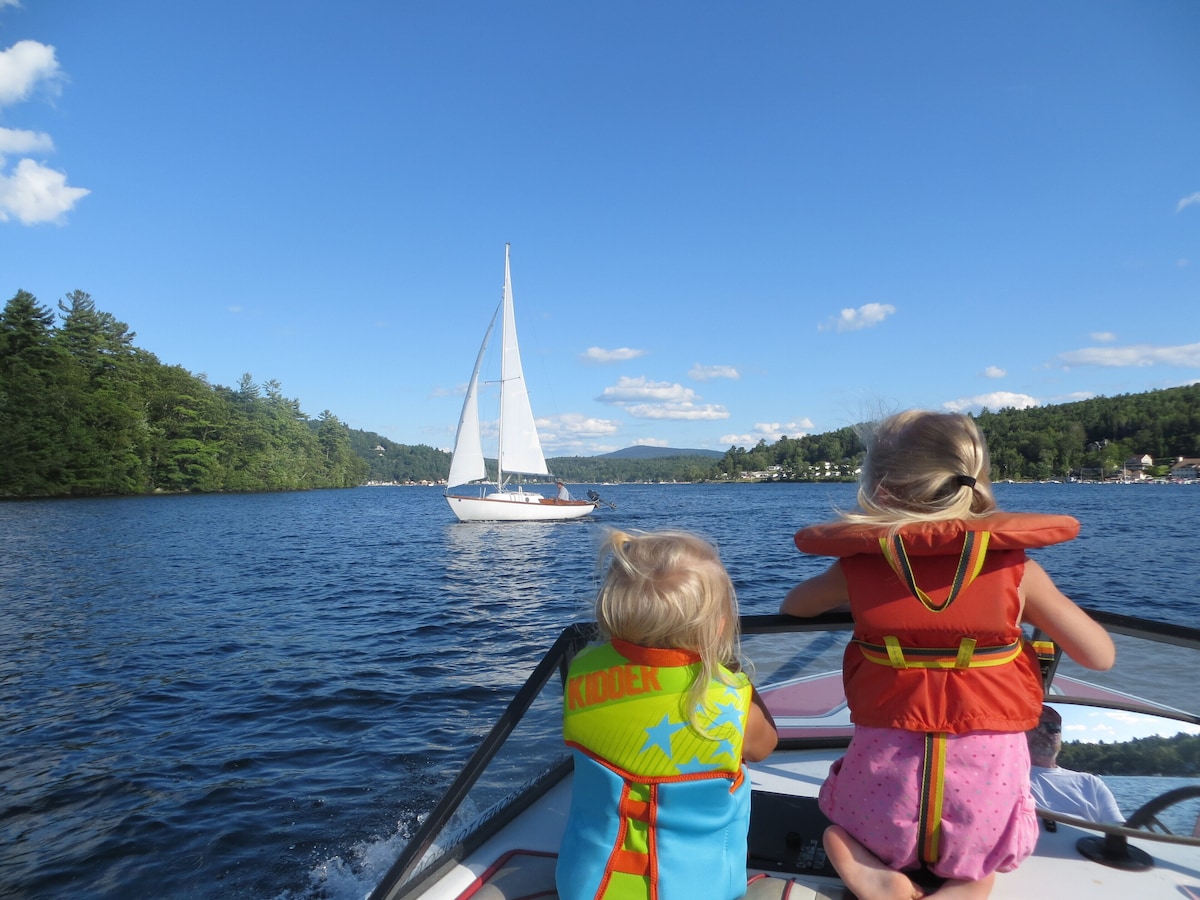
1103,336
14,141
631,390
994,372
644,399
1187,355
621,354
866,316
708,373
770,432
572,434
24,66
31,192
34,193
577,425
1188,201
650,442
690,411
993,401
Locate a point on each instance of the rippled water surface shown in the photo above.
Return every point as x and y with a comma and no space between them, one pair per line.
257,696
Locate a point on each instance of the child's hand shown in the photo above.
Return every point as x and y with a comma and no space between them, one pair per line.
818,594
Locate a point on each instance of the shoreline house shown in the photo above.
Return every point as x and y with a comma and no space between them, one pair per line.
1135,468
1185,469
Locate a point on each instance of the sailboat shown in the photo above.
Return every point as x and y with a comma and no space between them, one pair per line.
520,450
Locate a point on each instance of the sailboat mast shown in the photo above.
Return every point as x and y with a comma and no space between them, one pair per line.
506,311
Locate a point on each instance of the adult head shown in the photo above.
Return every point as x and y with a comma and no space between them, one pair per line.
1045,739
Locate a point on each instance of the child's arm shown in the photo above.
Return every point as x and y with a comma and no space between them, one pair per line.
818,594
761,735
1046,607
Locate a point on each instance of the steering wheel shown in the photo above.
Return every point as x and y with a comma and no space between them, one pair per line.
1146,815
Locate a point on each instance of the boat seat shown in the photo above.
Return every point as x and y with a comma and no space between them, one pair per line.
769,887
520,875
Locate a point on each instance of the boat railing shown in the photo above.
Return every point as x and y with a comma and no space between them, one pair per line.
557,659
401,878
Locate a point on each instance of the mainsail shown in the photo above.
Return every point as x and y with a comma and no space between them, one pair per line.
520,447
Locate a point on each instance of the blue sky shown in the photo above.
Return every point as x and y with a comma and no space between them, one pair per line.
729,221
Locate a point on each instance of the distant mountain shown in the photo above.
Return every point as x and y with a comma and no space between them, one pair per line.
644,452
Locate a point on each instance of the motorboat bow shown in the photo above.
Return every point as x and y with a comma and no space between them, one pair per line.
495,833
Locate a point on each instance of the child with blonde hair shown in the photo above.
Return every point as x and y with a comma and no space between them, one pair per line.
941,683
660,719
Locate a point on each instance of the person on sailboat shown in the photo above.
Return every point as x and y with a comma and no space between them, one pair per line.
940,681
563,493
660,718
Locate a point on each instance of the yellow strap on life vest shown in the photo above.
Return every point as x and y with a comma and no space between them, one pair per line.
933,792
1045,650
967,655
970,563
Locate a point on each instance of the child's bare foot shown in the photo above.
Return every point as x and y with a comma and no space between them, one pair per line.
863,872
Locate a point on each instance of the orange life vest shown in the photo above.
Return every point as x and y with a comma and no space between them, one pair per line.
938,645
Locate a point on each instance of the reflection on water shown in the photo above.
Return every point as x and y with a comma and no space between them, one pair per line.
498,575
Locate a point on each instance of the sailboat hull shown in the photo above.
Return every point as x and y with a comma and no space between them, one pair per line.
517,506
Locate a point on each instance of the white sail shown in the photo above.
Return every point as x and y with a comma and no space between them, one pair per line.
466,464
520,447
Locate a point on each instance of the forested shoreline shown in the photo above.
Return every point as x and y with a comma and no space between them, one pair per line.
83,412
1089,440
1156,755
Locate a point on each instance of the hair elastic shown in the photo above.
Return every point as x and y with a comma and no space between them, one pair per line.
621,539
965,481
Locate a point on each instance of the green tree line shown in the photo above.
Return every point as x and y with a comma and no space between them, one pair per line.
1175,756
1088,439
400,463
84,412
600,470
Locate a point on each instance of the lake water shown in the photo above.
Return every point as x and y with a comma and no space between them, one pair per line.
257,696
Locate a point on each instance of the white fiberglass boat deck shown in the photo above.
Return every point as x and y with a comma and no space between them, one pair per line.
495,834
